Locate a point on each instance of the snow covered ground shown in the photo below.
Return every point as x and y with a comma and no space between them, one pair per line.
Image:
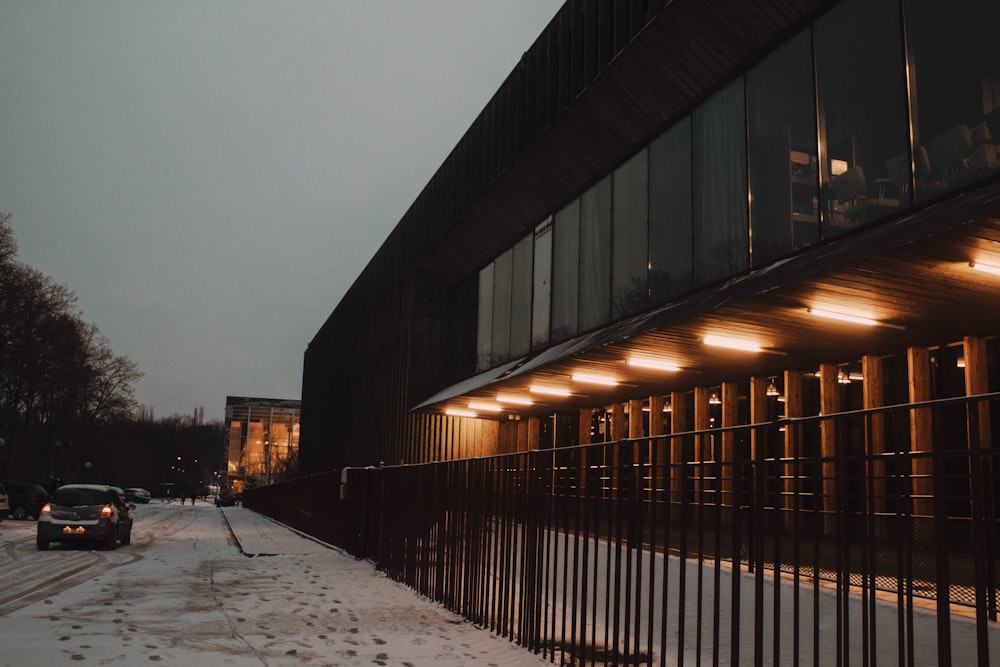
183,594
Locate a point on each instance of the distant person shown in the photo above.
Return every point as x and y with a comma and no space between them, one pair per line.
193,496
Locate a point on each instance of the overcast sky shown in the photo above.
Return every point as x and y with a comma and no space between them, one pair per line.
210,176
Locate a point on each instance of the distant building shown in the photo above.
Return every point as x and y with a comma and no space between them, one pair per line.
262,441
654,179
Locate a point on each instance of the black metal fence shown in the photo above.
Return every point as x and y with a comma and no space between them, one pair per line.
740,545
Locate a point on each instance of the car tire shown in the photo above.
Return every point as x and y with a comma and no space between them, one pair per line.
112,540
20,513
128,537
42,545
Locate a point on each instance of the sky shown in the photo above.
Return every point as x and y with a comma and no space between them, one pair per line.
210,176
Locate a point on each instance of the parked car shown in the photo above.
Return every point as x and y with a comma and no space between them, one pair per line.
225,499
4,505
25,498
85,513
136,494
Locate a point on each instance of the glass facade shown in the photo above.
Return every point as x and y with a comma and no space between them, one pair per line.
850,121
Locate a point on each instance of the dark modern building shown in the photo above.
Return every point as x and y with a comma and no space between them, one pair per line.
674,216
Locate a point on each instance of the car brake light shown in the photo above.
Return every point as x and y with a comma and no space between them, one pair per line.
46,508
106,511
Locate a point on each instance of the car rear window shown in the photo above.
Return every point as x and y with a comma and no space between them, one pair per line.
77,497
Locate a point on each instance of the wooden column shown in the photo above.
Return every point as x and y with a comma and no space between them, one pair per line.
874,397
534,433
656,424
760,413
635,418
829,400
921,433
617,422
977,382
678,424
703,442
586,423
730,417
793,437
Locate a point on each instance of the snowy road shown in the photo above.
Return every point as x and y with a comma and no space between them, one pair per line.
183,593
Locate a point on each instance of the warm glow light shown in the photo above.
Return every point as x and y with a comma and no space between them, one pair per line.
654,364
714,399
986,268
960,363
549,391
772,389
732,343
595,379
843,317
487,407
460,412
514,400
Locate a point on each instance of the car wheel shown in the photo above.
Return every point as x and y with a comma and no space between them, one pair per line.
42,545
128,537
20,513
112,540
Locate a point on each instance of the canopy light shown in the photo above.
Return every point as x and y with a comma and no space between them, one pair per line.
514,400
714,399
653,364
486,407
843,317
548,391
732,343
986,268
590,378
460,412
772,389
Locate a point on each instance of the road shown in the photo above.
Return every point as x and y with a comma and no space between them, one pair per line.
184,593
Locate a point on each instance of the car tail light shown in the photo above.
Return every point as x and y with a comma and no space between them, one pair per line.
106,511
46,508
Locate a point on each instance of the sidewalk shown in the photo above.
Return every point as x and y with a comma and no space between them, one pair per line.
258,535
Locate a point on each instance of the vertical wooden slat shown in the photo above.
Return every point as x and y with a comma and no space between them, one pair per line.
921,435
829,400
874,397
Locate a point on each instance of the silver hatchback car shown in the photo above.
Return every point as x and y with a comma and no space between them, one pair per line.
85,513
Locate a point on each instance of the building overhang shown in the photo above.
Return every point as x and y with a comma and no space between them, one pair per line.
912,276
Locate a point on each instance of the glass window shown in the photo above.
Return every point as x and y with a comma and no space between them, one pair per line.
541,302
955,88
520,297
629,241
484,333
595,255
566,272
670,216
862,111
501,309
721,233
784,181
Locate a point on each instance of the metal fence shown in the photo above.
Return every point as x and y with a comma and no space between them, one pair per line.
738,545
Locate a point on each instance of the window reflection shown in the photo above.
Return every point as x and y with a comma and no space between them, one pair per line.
955,83
566,272
541,301
595,255
629,243
670,214
784,180
721,233
862,112
501,308
484,333
520,297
